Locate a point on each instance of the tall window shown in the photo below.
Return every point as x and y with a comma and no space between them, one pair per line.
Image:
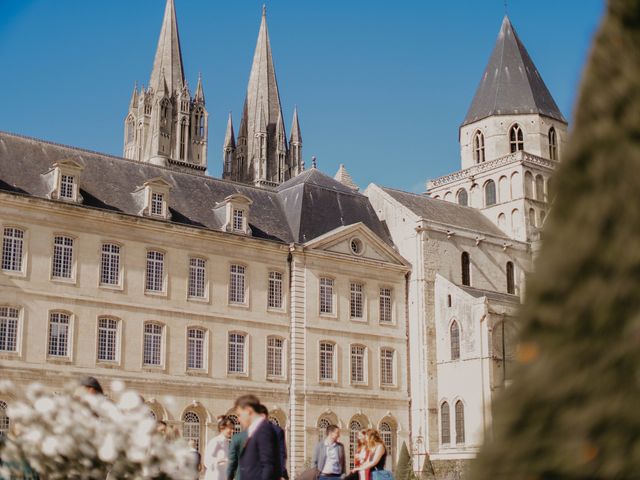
385,305
9,318
197,275
459,422
67,185
445,424
358,361
275,357
152,351
236,284
195,348
110,264
130,130
4,419
387,367
490,193
237,428
357,301
540,188
516,138
511,279
183,139
466,269
354,427
62,261
237,342
553,144
155,271
191,428
478,147
58,334
327,352
463,197
12,248
388,438
238,220
107,339
323,424
454,337
275,290
157,203
532,217
326,295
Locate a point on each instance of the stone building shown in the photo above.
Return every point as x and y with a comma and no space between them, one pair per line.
470,242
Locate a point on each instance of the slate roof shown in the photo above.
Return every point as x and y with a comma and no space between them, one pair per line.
511,83
496,296
446,213
301,209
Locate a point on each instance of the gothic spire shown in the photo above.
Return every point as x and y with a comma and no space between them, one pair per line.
199,97
168,55
229,138
296,136
133,103
511,83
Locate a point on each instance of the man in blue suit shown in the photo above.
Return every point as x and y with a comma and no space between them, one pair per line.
282,443
260,457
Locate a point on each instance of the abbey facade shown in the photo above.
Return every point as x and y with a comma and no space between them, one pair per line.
381,308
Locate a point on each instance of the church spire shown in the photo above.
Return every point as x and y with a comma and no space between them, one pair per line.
229,138
199,96
296,136
168,60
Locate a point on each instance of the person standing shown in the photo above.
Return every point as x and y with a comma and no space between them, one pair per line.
282,442
237,444
329,457
216,455
377,457
260,457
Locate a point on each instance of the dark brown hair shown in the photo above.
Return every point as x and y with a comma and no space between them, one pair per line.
250,401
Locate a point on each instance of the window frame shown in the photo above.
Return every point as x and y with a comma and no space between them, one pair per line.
163,340
334,362
516,145
360,290
205,278
282,290
394,363
245,354
64,187
552,137
72,268
21,272
17,352
490,191
511,277
459,433
205,349
392,316
465,270
68,357
201,430
111,286
455,349
165,280
245,291
118,344
283,356
445,441
334,310
365,365
478,146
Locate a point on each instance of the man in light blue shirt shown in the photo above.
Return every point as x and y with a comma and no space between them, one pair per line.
329,457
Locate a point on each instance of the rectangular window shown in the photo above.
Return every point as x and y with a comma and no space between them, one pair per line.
67,183
326,361
197,272
326,295
385,306
152,354
107,339
155,271
9,329
59,334
237,343
275,357
195,348
358,353
157,204
387,366
275,290
236,284
110,265
357,301
12,248
238,220
62,262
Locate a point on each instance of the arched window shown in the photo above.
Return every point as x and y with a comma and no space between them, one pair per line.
511,279
553,144
516,138
454,336
388,434
503,189
529,185
489,193
463,197
354,427
540,188
459,422
516,221
466,269
183,139
201,125
323,424
445,424
191,429
131,129
236,423
478,147
502,222
532,217
4,419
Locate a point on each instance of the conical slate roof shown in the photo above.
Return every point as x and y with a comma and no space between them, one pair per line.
168,61
511,83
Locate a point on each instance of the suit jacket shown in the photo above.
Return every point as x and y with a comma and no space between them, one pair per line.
260,457
235,448
282,444
320,456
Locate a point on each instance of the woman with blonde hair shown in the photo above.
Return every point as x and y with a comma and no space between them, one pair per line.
373,466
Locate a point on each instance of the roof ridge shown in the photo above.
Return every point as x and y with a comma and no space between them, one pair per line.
347,191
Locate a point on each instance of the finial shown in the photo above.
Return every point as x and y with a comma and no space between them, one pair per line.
264,10
314,163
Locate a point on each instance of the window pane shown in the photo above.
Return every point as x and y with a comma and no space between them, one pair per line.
455,341
12,248
326,361
237,284
356,302
385,305
357,364
152,344
274,357
9,329
155,271
326,295
197,272
445,427
236,353
110,265
62,260
191,428
275,290
459,422
107,339
387,368
58,335
195,348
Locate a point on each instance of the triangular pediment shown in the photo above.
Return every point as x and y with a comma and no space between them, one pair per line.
356,241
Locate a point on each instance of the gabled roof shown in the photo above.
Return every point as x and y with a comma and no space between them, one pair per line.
168,61
445,213
511,83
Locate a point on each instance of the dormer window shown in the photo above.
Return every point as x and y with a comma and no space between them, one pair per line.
238,220
157,204
233,214
63,180
153,198
67,187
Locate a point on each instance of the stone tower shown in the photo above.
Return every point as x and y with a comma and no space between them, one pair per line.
165,124
262,154
510,140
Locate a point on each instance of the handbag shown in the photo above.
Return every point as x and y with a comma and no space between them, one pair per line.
381,475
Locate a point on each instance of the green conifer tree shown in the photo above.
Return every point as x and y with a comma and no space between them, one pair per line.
573,410
404,468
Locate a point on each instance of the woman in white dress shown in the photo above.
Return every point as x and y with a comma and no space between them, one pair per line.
216,455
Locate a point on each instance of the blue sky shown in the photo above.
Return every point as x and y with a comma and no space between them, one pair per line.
381,86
